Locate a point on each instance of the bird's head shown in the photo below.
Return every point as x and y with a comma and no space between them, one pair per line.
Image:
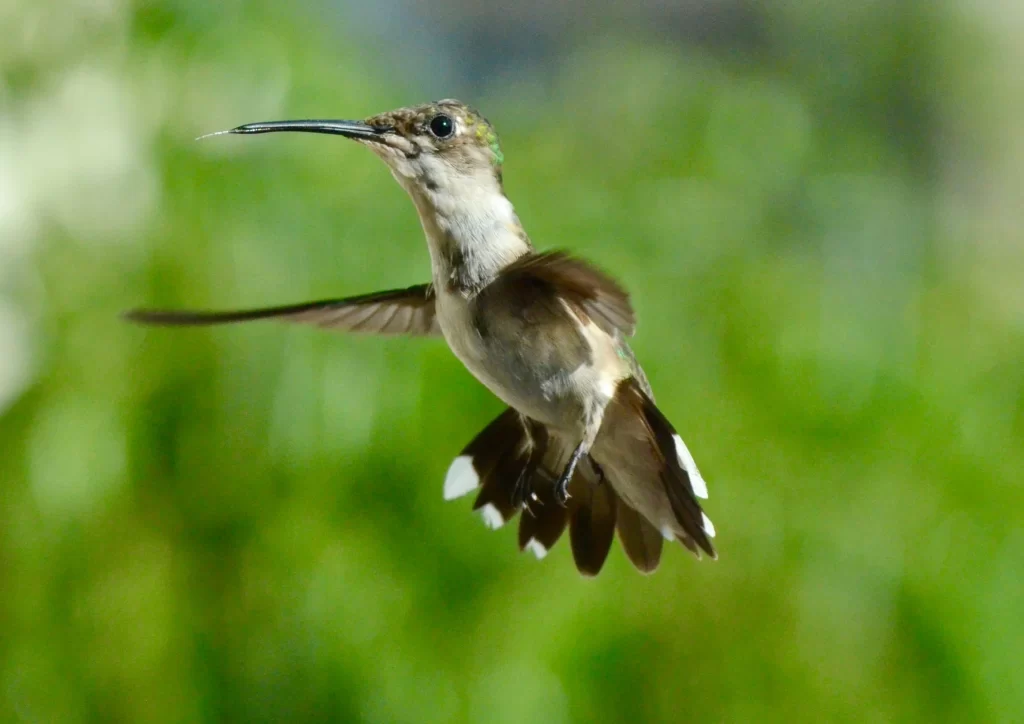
446,156
431,146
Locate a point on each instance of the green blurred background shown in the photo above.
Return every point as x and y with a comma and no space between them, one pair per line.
817,208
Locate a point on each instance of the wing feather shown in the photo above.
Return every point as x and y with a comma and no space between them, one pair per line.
399,311
582,285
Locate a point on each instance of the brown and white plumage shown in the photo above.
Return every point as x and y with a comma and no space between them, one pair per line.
401,311
582,445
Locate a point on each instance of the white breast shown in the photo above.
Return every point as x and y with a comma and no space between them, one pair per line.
564,400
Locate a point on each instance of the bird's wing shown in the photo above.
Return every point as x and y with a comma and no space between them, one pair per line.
580,284
399,311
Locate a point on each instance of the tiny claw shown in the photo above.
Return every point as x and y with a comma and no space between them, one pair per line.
562,493
532,498
562,485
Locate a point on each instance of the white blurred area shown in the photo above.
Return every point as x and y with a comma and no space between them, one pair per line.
81,108
75,160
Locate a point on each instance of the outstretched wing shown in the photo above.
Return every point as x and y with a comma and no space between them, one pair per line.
399,311
585,287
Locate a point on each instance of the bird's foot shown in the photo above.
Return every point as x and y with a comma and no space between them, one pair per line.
562,484
562,488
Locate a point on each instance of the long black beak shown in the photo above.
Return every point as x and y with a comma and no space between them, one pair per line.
349,129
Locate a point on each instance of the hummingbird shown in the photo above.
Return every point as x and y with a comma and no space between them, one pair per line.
581,444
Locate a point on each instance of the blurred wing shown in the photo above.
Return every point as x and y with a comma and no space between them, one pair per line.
583,286
400,311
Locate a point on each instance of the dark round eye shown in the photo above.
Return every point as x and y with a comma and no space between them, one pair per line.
442,126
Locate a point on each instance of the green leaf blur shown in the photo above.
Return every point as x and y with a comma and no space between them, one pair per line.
822,238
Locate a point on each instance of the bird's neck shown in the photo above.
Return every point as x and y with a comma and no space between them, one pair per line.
472,231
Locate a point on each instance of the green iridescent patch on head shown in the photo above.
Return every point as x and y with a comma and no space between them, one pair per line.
492,139
486,134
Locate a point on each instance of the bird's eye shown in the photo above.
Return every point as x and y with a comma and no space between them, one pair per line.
442,126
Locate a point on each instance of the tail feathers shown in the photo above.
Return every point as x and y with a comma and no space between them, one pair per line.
653,472
496,453
543,521
512,450
500,460
639,481
641,540
494,502
681,487
592,523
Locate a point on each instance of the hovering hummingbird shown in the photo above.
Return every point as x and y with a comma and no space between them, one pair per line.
581,443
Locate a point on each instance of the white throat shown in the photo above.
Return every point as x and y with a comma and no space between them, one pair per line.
471,227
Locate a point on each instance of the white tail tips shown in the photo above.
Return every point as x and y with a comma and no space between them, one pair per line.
461,478
700,488
536,548
709,527
492,517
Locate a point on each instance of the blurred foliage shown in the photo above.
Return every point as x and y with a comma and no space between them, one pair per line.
246,523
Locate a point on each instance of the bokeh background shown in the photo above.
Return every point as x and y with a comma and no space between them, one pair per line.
817,206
